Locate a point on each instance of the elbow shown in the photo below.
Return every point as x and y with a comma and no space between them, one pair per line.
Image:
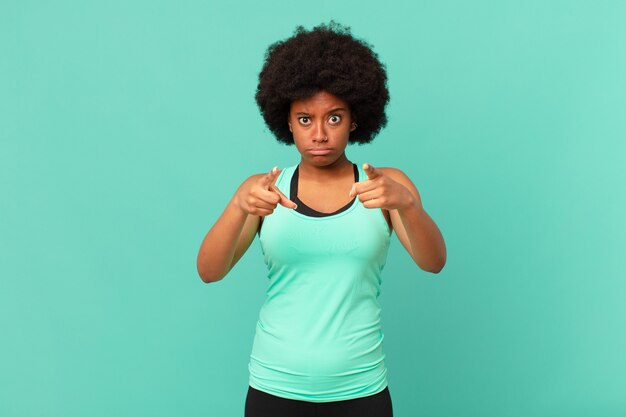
440,263
439,267
432,269
208,278
207,275
209,269
435,267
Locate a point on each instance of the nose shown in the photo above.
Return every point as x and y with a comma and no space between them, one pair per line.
319,132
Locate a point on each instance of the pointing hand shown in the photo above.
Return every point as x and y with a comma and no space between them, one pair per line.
259,196
380,191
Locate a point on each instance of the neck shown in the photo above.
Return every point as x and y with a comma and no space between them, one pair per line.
325,172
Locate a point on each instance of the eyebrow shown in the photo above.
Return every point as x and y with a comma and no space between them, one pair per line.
337,109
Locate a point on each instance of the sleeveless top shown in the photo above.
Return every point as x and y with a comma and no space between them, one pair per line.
319,336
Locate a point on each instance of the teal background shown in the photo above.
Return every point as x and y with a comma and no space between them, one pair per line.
126,126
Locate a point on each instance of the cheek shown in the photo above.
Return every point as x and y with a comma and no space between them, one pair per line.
297,140
343,134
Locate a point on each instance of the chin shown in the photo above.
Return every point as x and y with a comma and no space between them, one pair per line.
323,162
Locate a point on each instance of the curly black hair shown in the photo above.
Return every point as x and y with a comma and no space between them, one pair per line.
326,58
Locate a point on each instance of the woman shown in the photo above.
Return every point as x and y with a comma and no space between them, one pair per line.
324,227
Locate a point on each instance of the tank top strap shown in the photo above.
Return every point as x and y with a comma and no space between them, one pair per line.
283,182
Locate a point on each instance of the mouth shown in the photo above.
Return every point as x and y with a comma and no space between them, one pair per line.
320,151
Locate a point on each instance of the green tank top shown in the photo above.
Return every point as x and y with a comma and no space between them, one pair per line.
319,336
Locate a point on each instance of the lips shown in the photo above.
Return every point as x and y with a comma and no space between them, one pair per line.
320,151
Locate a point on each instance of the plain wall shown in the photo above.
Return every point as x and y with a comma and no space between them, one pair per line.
126,126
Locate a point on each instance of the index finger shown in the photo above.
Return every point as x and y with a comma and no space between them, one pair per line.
269,178
284,200
371,172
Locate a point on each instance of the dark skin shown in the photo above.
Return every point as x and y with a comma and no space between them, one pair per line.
321,127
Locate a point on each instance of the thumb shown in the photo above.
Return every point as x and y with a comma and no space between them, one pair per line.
371,171
284,201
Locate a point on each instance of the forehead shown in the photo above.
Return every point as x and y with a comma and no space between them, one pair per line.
320,102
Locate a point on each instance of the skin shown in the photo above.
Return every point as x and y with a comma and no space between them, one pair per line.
322,124
321,127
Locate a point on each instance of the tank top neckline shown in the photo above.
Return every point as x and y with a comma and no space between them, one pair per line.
308,211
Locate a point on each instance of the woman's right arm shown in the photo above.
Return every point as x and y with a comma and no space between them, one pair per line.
231,235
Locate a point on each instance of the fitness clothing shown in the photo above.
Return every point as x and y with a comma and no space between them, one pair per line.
319,336
261,404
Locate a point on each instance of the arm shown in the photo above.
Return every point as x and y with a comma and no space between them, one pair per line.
226,242
416,230
231,236
391,189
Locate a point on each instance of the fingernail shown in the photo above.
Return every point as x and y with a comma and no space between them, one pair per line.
295,206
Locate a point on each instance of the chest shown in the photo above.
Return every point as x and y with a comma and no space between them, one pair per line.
325,198
358,236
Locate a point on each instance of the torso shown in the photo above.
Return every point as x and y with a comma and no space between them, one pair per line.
319,336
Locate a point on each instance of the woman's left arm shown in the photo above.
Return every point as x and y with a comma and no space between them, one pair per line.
392,190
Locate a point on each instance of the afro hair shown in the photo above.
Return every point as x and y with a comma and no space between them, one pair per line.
326,58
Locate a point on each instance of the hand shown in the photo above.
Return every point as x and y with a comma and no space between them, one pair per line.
380,191
259,196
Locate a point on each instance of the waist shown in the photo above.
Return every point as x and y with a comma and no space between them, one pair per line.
287,383
327,369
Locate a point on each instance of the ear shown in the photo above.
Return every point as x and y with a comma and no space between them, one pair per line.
288,120
352,122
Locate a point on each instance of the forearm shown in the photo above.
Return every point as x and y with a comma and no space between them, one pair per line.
220,243
428,248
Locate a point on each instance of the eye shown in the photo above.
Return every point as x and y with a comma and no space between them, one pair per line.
304,120
334,119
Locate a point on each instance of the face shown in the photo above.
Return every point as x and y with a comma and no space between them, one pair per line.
321,126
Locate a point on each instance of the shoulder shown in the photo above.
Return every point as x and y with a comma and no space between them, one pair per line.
252,179
256,177
395,174
400,177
